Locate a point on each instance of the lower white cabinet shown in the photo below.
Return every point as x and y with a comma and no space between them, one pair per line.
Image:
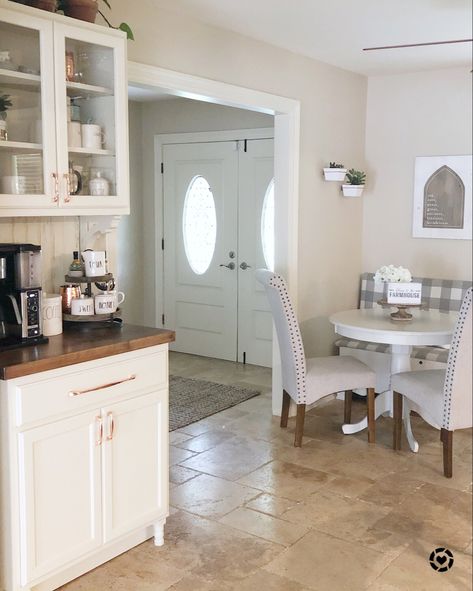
84,481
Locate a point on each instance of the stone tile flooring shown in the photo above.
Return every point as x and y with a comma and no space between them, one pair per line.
252,513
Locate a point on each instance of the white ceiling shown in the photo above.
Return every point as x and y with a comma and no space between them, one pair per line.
336,32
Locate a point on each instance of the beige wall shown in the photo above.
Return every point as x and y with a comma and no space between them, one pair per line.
332,127
131,271
421,114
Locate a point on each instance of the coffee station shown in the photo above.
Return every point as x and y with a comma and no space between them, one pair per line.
81,397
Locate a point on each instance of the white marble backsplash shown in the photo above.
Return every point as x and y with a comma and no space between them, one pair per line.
58,237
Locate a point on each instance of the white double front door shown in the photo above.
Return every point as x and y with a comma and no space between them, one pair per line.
218,228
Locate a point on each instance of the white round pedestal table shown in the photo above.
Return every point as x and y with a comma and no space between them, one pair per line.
427,327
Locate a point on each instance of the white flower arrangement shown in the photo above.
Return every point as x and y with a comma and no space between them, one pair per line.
392,274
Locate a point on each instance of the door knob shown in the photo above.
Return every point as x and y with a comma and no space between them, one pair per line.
245,266
230,266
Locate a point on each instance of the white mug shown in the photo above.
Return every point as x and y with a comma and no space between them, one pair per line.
13,185
51,312
108,302
94,263
82,306
92,136
74,134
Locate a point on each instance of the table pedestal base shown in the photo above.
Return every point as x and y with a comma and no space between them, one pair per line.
400,361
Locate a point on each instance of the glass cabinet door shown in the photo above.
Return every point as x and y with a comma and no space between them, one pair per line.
27,138
92,118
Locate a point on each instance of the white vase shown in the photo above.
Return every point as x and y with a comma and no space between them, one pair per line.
352,190
335,174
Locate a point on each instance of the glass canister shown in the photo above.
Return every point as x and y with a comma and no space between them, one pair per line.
98,185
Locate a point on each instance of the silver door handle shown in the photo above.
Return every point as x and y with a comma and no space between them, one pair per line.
230,266
245,266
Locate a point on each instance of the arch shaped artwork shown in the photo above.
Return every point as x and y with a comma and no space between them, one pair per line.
444,200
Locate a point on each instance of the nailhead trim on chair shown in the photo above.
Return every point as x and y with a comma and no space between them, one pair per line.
452,358
295,334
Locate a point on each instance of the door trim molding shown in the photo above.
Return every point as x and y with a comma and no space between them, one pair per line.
286,113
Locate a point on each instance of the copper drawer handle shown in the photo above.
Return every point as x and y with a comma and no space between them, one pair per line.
109,385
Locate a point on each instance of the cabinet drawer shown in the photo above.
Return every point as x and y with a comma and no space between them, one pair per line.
88,384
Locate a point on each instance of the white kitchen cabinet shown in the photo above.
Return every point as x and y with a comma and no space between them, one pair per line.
60,493
54,61
134,456
84,460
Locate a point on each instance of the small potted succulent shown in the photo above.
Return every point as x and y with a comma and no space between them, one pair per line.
356,183
335,172
5,104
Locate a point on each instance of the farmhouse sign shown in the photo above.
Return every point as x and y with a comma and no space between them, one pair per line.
404,293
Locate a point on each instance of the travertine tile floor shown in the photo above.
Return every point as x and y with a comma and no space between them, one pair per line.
252,513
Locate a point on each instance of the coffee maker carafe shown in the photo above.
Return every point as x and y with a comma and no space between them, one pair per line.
20,295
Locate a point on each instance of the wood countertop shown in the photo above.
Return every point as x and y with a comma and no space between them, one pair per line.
77,346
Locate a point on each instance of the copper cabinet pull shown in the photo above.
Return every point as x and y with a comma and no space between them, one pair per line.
99,425
67,178
110,425
55,198
102,387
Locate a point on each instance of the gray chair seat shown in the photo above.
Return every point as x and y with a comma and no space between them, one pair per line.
308,380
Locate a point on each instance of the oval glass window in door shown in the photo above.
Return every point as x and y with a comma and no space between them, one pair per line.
267,226
199,225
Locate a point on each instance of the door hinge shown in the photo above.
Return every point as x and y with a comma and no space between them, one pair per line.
245,146
162,167
244,356
162,318
162,243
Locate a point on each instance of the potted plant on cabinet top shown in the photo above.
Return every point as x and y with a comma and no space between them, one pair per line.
86,10
5,104
356,183
335,172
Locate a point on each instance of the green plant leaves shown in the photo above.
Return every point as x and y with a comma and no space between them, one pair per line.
126,28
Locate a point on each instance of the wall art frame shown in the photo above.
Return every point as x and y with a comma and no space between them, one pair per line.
443,197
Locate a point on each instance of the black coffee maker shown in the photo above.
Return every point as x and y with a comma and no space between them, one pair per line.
20,296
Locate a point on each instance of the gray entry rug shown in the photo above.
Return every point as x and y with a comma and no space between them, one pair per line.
191,400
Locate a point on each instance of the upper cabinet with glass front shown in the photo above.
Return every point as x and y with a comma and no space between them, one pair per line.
63,116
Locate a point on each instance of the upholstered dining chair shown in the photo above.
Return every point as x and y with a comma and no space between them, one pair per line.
308,380
442,397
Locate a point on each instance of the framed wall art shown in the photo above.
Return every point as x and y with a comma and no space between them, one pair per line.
442,197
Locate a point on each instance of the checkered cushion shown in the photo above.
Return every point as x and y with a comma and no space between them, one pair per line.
437,294
428,353
445,295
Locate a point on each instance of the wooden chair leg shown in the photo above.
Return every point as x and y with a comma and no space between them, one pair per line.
347,408
447,440
397,400
371,423
299,425
286,401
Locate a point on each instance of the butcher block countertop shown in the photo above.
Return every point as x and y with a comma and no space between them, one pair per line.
76,346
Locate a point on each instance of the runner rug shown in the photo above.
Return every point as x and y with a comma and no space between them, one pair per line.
191,400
